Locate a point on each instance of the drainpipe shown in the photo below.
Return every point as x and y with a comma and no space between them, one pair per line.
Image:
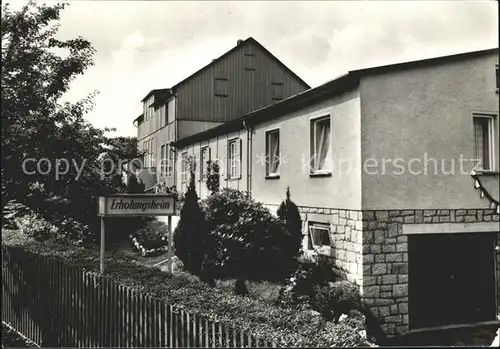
249,157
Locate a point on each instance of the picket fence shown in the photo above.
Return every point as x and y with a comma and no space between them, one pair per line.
54,304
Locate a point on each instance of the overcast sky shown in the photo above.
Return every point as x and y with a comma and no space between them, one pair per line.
143,45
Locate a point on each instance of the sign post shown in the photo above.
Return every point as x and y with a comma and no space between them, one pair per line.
102,246
129,205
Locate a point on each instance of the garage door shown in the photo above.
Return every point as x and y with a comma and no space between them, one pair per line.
451,279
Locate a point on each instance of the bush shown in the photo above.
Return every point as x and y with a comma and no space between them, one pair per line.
250,242
300,287
191,232
290,216
35,226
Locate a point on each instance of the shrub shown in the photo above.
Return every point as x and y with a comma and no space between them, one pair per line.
300,287
35,226
290,216
249,240
191,232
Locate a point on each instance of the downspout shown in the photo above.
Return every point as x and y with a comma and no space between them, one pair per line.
249,157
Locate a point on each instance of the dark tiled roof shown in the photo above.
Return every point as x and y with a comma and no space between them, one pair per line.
337,86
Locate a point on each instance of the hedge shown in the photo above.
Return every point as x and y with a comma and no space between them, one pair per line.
286,327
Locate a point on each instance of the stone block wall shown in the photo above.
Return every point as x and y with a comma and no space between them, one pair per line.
385,258
370,250
346,238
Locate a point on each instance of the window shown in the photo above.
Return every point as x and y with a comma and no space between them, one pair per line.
497,78
483,142
148,109
152,161
277,90
220,87
170,162
184,167
320,146
233,156
163,115
273,153
145,150
204,158
249,61
319,236
163,160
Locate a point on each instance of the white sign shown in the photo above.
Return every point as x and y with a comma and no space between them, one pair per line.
136,205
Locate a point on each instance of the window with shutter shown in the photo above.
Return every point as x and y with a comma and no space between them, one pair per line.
221,87
277,91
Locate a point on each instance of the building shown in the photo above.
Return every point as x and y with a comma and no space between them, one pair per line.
246,78
380,163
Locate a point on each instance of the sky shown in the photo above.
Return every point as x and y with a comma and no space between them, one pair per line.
144,45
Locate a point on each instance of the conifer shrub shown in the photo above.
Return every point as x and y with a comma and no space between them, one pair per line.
289,215
191,232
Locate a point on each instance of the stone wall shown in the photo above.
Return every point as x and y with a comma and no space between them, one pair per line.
346,238
369,249
385,258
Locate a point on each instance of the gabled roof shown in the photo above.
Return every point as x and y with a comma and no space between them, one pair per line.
334,87
239,45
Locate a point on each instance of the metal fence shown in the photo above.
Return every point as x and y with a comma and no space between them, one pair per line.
54,304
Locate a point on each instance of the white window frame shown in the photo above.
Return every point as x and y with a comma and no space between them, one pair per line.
492,140
269,156
170,162
153,153
163,161
233,157
184,167
313,151
326,230
204,157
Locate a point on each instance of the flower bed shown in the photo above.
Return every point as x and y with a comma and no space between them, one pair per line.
151,241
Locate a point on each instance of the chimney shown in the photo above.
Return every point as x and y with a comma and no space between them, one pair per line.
239,42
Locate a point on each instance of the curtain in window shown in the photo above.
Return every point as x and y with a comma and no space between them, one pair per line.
275,152
481,143
322,145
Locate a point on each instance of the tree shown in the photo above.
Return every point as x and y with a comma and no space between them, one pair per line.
36,125
289,215
191,232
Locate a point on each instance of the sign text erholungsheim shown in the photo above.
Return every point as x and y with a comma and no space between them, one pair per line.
137,205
